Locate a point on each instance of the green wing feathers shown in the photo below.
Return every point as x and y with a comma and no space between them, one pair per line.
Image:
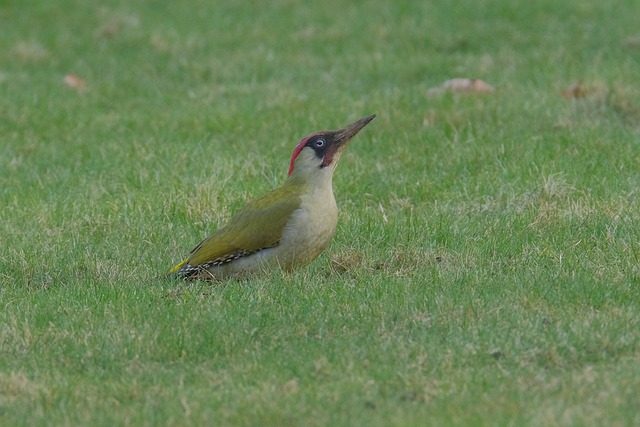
259,225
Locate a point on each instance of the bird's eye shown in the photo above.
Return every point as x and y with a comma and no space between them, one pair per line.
320,143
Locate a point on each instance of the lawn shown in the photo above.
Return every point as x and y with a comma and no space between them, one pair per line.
486,267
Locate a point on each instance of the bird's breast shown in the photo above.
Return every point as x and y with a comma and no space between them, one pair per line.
309,231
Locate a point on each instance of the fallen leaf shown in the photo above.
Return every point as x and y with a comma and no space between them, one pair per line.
74,81
462,85
595,90
468,85
576,90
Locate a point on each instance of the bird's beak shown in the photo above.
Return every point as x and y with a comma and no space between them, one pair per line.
344,135
340,140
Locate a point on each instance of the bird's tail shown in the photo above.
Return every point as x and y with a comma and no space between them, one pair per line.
177,267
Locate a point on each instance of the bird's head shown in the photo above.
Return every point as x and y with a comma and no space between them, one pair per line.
323,149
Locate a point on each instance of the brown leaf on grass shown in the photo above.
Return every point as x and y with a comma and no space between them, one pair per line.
462,85
580,90
576,90
598,99
74,82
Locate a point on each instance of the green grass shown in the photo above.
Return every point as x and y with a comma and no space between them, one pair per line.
486,268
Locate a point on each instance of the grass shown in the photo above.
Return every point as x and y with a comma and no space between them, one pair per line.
486,266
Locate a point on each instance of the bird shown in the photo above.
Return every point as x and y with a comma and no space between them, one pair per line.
286,228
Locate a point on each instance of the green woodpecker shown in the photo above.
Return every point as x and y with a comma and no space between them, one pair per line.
288,227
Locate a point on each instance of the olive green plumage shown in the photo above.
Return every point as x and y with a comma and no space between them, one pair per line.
287,227
258,226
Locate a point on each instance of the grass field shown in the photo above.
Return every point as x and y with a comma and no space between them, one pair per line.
486,267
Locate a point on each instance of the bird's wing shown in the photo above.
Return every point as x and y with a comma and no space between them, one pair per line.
259,226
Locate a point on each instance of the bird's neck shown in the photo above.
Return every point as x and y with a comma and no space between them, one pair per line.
312,180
